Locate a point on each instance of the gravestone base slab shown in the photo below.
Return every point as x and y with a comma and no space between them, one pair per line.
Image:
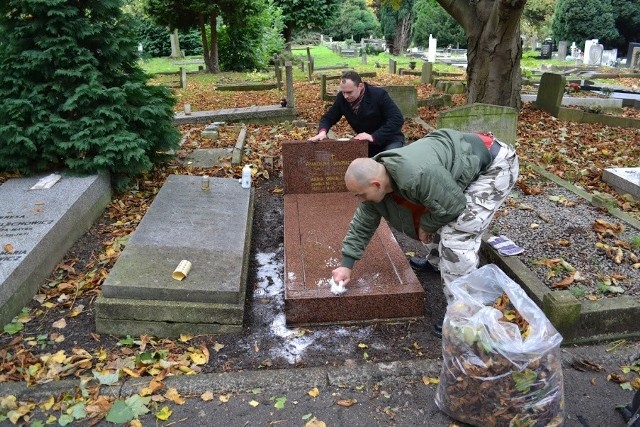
383,286
158,318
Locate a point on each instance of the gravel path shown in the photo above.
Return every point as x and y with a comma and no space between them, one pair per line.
558,225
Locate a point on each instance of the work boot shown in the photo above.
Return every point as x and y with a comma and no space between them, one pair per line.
421,264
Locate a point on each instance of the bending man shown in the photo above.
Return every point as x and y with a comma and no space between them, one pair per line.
370,112
442,190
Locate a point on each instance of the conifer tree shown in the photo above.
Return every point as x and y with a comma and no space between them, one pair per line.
72,95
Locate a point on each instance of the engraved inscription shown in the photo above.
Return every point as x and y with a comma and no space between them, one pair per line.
12,226
326,176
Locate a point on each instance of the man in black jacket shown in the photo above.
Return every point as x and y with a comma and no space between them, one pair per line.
369,110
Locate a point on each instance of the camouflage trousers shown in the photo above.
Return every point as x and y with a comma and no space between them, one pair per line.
455,246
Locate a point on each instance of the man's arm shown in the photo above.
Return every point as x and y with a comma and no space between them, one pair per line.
329,118
393,119
363,225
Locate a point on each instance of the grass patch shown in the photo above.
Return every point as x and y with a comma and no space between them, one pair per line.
322,57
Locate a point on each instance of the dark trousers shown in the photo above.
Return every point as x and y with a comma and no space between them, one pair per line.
375,148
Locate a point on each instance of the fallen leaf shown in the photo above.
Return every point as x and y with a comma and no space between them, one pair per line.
8,248
584,364
207,396
617,378
164,413
217,347
346,402
173,395
224,398
430,380
314,392
60,324
254,403
314,422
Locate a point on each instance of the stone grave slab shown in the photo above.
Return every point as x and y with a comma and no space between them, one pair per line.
318,167
38,226
624,180
208,157
211,229
478,117
383,286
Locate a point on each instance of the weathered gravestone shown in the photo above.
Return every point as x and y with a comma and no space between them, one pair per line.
209,228
630,49
562,50
550,93
317,212
38,226
406,98
501,121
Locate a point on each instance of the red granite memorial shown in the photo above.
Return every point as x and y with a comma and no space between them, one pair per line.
317,212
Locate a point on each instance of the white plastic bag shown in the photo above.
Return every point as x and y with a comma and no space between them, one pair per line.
494,373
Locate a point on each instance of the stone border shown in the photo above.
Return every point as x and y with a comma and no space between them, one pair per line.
579,322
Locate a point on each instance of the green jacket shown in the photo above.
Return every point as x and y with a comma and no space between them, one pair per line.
432,172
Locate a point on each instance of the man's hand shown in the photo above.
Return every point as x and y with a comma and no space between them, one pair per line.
320,136
364,137
424,236
341,273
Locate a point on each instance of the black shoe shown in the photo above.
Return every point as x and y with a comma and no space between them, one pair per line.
437,330
421,264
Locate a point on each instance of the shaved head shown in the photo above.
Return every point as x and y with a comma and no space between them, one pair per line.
367,179
362,170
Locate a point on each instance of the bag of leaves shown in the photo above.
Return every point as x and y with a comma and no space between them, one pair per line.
501,356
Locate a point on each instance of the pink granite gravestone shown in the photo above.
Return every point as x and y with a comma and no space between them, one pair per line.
318,167
316,219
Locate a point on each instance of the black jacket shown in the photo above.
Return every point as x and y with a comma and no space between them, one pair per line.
378,116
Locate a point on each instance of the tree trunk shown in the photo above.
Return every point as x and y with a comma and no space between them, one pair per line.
210,52
176,53
493,49
403,34
287,34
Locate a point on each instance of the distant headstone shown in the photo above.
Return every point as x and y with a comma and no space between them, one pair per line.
587,49
38,226
501,121
562,50
318,167
427,68
635,58
392,65
433,45
209,228
595,54
550,92
183,77
609,57
632,46
624,180
406,98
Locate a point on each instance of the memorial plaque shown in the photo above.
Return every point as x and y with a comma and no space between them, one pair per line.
318,167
